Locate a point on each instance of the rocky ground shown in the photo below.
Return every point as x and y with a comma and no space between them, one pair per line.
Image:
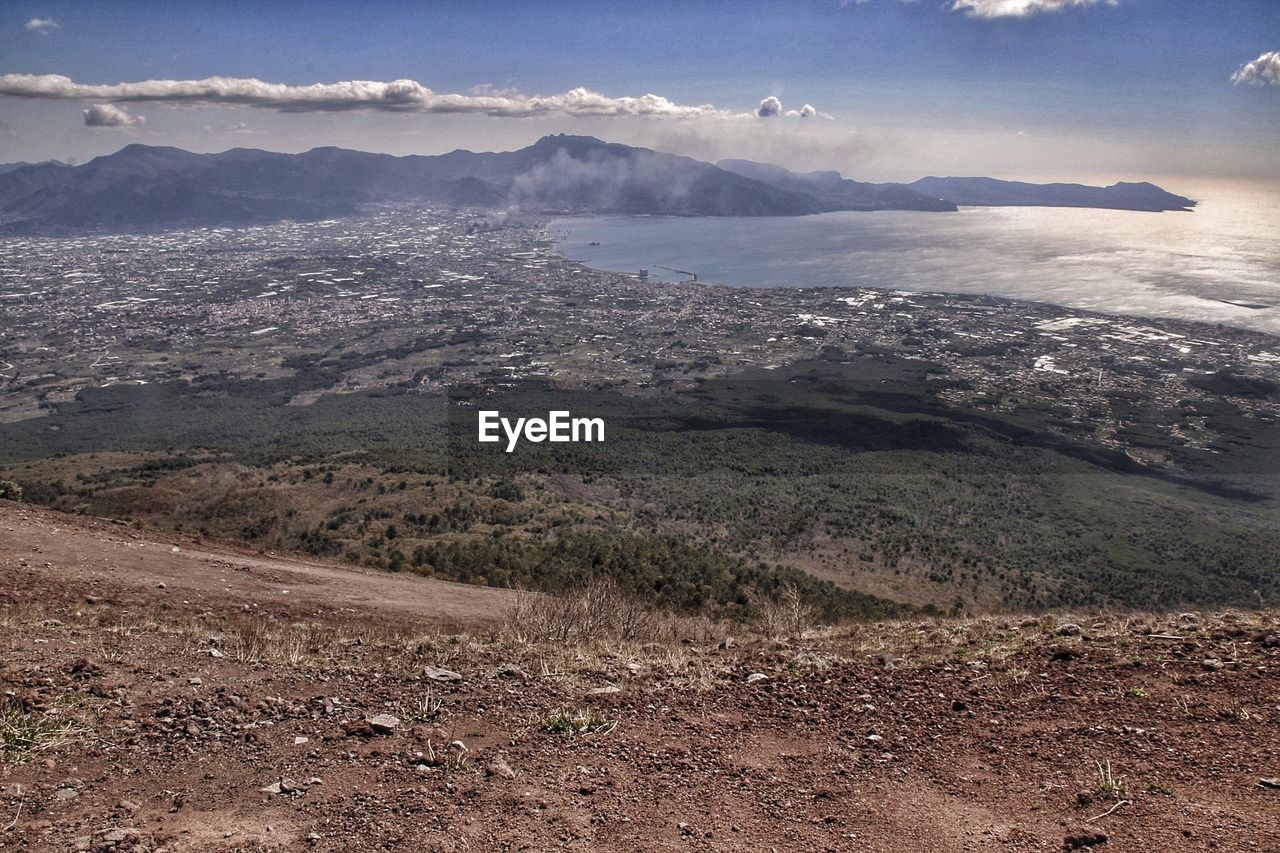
161,693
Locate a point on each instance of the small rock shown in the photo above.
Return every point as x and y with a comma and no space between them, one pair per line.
273,788
214,653
1069,629
498,767
13,790
603,691
726,643
66,793
384,724
129,806
1211,664
510,670
84,668
116,835
875,738
195,682
1084,838
436,674
299,740
1272,782
756,676
162,585
83,842
289,786
359,728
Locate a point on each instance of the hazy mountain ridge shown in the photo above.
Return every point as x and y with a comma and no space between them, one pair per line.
983,192
147,187
5,168
933,193
837,191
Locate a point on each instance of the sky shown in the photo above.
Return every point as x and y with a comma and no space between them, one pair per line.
1093,90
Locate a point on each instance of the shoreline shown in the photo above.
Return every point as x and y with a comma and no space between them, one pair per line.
1216,325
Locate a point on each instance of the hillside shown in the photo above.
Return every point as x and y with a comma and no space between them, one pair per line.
210,710
144,186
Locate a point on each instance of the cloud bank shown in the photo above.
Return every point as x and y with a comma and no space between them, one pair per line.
109,115
43,26
1020,8
400,96
1264,69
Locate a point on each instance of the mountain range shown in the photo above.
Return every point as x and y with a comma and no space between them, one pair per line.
148,187
9,167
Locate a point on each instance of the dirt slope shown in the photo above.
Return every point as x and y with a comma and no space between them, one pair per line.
157,716
115,561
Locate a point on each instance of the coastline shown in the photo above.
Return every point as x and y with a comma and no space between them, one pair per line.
1230,300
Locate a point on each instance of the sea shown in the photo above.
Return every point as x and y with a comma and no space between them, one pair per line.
1218,264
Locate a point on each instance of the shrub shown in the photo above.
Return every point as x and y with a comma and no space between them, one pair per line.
784,615
600,610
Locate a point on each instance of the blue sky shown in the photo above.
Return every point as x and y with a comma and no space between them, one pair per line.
1106,89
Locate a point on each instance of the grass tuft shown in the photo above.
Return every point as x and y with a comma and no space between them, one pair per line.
569,721
24,734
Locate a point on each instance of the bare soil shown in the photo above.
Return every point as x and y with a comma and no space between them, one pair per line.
154,686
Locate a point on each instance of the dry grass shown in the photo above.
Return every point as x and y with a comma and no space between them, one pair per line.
575,721
23,734
599,610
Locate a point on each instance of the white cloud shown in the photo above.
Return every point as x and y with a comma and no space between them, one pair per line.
1264,69
110,115
1020,8
407,96
43,26
769,107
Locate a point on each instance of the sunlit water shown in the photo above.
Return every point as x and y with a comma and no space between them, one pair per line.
1189,266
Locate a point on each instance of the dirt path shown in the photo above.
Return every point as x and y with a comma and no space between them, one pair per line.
115,561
